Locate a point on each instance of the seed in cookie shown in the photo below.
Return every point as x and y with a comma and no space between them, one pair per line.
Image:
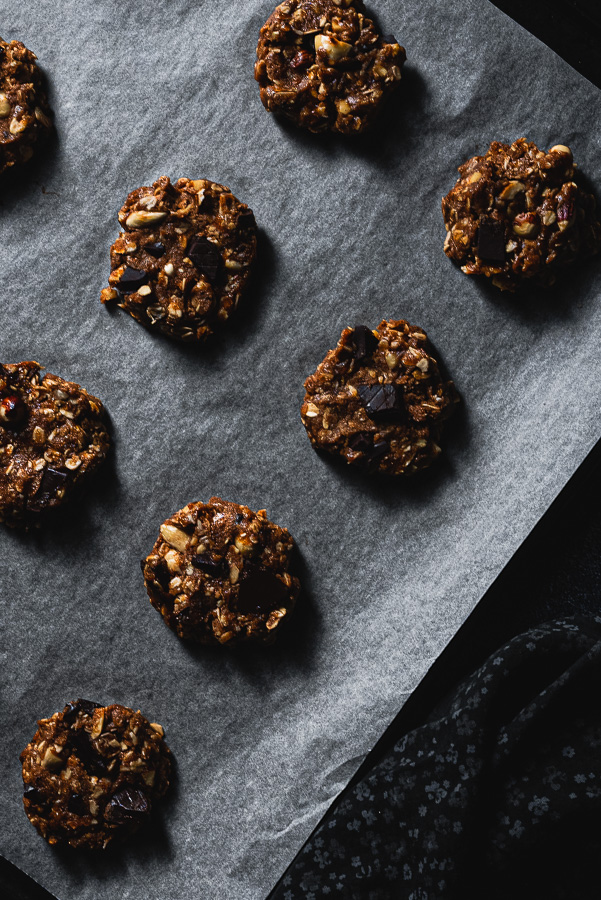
518,214
91,774
219,574
378,400
24,111
183,260
323,64
52,436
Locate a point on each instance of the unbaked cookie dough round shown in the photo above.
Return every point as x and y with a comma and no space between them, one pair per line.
183,260
323,65
219,574
378,400
52,437
92,773
519,215
24,110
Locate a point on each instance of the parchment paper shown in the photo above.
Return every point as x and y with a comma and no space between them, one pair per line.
351,232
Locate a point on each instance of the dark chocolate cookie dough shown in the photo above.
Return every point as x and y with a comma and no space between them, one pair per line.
92,773
518,214
24,110
322,64
378,400
52,436
218,574
183,260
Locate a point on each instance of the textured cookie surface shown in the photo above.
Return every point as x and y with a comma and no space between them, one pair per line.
24,110
184,257
378,400
519,214
92,774
52,436
218,573
322,64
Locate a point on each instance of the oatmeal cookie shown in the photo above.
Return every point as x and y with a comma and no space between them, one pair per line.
518,214
184,258
52,436
91,774
24,111
378,400
218,574
322,64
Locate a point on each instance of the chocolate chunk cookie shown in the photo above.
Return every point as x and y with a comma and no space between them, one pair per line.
92,773
52,436
378,400
322,64
518,214
184,258
24,110
218,573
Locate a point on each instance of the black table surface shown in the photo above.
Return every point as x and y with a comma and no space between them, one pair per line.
557,570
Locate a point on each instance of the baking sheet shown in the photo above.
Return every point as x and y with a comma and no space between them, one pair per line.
350,232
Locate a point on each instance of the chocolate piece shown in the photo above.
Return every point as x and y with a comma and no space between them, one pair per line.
183,260
128,805
519,215
58,440
382,402
236,588
261,592
363,341
323,65
491,241
131,279
157,249
205,256
212,565
118,766
25,116
383,413
74,707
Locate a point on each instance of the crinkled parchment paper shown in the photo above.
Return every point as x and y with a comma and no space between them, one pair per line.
350,232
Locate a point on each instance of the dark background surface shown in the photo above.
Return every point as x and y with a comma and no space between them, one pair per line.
557,571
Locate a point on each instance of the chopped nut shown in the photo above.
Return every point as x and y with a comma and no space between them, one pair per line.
525,224
51,761
561,148
42,117
512,190
312,410
142,219
332,48
175,537
17,126
5,106
158,728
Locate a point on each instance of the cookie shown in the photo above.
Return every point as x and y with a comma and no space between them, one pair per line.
218,574
518,214
52,437
183,260
24,111
91,774
378,400
323,65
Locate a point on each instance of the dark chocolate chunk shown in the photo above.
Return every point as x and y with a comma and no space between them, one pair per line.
261,592
491,241
364,342
246,218
128,805
239,518
131,280
157,249
92,761
52,480
205,256
34,795
389,39
382,402
361,443
76,804
379,449
74,707
209,563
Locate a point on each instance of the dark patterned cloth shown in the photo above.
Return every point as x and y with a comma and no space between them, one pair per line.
498,795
